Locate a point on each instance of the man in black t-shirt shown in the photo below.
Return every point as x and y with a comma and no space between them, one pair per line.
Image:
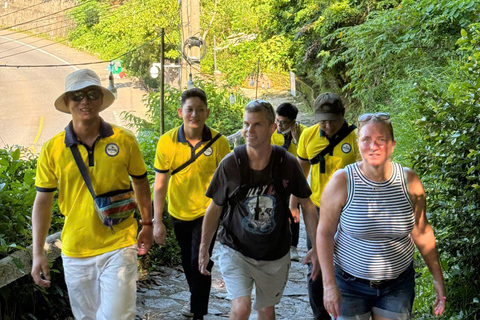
250,191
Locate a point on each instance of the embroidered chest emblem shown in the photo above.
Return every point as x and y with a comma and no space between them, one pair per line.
346,147
112,149
208,152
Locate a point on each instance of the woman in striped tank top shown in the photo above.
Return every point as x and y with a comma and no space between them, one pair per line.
372,215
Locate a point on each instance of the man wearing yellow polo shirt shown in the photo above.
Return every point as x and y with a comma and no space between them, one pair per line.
286,136
185,162
100,265
329,145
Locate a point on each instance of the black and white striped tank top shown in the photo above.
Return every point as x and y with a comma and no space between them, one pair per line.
373,239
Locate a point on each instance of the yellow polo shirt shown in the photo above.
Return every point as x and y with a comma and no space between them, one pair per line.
278,139
114,157
186,188
312,141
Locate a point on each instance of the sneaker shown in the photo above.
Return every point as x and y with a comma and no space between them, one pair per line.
294,254
186,312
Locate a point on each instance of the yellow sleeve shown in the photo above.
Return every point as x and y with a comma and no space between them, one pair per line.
136,164
162,156
223,149
302,145
45,176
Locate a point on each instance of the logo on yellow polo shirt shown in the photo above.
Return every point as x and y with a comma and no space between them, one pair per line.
346,147
208,152
111,149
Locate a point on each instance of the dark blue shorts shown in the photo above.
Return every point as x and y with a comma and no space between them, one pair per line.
360,300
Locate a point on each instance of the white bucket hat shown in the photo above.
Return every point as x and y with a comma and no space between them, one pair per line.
78,80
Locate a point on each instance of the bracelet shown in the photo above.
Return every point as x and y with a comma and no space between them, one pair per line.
146,223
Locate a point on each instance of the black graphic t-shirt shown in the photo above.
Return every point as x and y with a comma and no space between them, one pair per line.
258,224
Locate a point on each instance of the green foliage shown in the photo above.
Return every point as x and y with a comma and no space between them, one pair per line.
132,28
23,300
17,192
449,162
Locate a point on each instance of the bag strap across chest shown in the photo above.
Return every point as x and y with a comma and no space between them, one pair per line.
320,157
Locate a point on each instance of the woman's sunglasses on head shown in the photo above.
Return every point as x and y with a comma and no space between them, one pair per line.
369,116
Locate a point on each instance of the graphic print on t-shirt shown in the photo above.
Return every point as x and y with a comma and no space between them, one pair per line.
260,205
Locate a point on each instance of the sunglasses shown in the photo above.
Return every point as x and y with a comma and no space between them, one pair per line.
383,116
259,102
92,94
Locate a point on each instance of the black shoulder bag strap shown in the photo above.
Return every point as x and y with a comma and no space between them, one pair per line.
342,134
196,155
83,169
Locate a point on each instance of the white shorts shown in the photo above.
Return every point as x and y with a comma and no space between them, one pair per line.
103,287
240,273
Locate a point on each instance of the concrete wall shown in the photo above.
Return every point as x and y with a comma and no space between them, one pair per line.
19,263
50,19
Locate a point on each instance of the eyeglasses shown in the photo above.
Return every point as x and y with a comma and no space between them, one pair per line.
92,94
383,116
283,123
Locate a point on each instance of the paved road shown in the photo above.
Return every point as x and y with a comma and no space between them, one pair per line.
27,115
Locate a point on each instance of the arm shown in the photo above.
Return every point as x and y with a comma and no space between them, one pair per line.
159,195
424,238
334,198
41,219
142,192
209,226
305,165
311,221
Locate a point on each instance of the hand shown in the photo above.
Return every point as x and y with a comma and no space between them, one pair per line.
203,261
313,259
41,271
296,132
145,240
331,301
295,215
159,232
439,304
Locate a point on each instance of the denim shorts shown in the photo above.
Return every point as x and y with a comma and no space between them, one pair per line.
360,300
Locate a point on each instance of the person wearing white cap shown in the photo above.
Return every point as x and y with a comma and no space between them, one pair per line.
329,145
99,258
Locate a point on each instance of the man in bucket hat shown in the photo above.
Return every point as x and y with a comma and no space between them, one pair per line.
100,264
325,147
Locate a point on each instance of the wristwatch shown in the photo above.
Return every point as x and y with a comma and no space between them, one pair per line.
146,223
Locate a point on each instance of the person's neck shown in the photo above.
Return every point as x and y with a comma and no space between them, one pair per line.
259,157
379,173
193,135
87,131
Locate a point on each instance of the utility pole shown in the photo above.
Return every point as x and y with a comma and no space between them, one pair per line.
190,23
162,81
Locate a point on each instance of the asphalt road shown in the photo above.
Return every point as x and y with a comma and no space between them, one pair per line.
27,115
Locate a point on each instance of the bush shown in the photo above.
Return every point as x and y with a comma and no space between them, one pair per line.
449,164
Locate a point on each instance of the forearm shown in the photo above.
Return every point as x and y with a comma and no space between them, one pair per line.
41,220
159,195
325,244
425,243
310,218
209,226
142,192
293,202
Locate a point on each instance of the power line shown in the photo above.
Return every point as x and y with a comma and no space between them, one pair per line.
78,64
48,15
33,5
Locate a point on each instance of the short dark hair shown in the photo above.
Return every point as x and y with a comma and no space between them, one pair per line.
288,110
194,93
